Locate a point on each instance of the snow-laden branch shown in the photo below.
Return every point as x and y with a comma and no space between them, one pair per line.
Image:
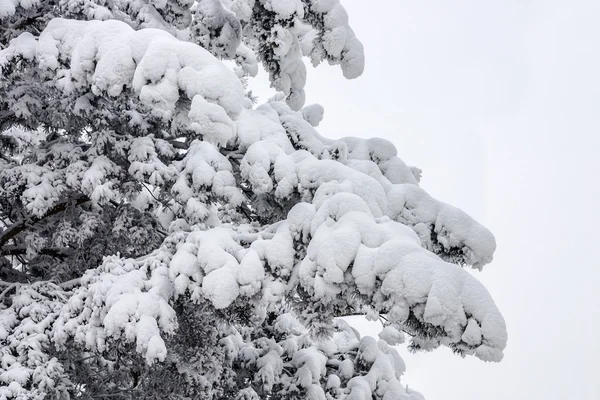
349,251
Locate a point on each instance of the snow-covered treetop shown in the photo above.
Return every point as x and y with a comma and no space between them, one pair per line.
160,214
277,33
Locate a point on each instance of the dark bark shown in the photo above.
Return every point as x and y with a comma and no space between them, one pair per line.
50,251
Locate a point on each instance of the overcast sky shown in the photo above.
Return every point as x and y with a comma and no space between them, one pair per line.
499,103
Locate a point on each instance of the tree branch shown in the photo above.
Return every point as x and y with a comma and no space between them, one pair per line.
49,251
6,114
69,284
165,204
23,224
178,145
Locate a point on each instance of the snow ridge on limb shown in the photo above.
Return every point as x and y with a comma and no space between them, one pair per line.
97,59
351,251
443,229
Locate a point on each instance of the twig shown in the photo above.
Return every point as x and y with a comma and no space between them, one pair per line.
154,197
6,114
69,284
177,144
8,289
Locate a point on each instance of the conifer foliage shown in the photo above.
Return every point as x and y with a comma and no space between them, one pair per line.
163,237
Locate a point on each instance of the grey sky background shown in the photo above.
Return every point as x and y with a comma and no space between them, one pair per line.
499,103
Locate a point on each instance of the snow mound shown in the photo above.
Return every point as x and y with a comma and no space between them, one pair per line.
384,260
443,229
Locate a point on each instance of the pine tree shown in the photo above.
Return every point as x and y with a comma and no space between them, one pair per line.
162,237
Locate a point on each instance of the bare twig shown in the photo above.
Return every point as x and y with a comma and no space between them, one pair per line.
8,289
69,284
178,145
154,197
6,114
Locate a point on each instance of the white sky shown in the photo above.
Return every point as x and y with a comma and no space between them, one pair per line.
499,103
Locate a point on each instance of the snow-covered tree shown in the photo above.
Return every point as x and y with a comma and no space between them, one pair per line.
163,237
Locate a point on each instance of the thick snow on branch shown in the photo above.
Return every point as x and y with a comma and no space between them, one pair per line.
383,260
108,57
122,300
349,251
